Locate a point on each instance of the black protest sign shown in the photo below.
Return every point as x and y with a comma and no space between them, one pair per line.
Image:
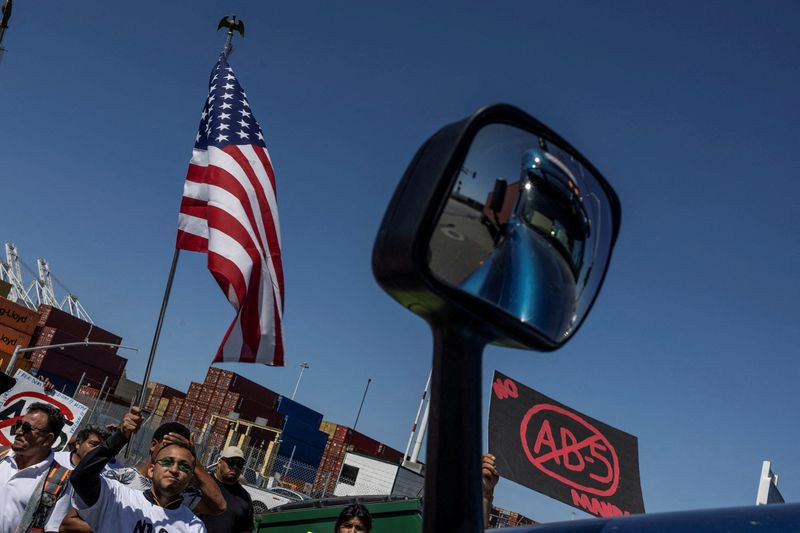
550,448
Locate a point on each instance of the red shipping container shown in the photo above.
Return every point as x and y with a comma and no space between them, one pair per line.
362,443
195,389
54,317
94,355
60,364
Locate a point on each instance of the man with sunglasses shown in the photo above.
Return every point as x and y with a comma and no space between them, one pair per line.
31,481
206,498
107,505
238,518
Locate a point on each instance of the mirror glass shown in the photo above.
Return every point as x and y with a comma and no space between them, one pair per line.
527,228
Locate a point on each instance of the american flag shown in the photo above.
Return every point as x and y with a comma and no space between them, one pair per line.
229,211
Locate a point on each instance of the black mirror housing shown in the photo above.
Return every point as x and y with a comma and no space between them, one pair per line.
401,258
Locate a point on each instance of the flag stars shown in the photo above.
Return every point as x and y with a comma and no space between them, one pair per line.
260,136
230,77
243,134
228,86
243,124
227,96
221,138
224,116
226,105
244,103
223,127
245,113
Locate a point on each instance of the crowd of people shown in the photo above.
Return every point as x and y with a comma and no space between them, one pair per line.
84,489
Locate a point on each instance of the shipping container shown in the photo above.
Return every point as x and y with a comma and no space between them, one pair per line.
72,325
11,338
194,392
89,391
18,317
328,427
59,363
97,356
305,433
22,363
298,411
359,442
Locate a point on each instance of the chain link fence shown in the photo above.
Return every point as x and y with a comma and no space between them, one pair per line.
266,467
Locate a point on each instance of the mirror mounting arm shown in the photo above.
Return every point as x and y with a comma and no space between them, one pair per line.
453,454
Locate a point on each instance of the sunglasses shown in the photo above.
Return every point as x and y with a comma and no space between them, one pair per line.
234,463
183,466
26,427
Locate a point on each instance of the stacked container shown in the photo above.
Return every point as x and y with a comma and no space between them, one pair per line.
65,366
17,324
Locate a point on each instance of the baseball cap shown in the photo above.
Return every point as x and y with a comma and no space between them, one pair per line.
232,451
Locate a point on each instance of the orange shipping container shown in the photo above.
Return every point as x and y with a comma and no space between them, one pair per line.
11,338
17,316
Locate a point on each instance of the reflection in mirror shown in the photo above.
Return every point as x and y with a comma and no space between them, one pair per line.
527,227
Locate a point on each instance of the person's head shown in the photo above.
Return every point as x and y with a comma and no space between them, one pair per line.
354,519
163,430
171,470
38,430
89,438
230,465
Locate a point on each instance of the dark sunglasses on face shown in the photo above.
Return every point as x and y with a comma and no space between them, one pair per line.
234,463
183,466
26,427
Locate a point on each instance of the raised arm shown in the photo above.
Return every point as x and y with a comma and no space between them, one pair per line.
85,479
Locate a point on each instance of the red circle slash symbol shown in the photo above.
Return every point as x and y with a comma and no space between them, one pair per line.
569,449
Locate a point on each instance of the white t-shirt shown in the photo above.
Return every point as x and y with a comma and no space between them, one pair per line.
120,509
64,503
16,488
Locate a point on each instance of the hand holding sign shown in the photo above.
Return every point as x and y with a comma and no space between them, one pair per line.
490,475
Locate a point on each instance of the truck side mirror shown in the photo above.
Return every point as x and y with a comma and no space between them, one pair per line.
439,252
533,286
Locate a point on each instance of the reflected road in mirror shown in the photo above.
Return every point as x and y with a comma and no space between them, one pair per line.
522,228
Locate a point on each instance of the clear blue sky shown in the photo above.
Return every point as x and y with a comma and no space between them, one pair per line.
689,109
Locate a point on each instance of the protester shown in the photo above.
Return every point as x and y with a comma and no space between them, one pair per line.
208,500
354,519
238,517
84,441
31,480
490,479
107,505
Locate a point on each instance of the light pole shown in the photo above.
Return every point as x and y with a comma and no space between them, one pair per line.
18,350
362,403
303,366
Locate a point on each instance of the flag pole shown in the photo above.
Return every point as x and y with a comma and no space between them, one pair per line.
232,24
160,322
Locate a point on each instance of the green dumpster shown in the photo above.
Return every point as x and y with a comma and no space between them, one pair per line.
319,516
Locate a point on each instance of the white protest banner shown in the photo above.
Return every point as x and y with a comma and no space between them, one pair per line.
28,390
